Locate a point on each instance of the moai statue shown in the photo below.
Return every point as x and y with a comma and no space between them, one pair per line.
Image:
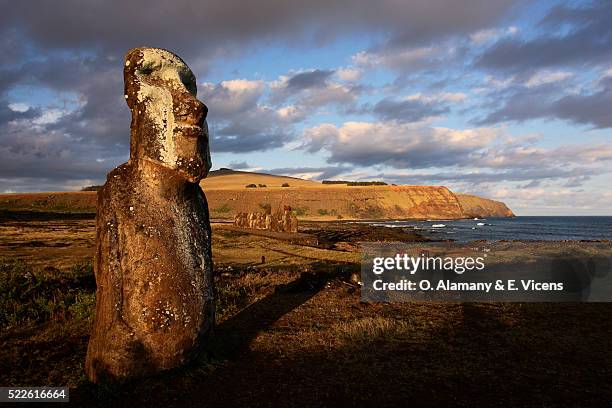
287,219
153,264
293,223
276,222
268,225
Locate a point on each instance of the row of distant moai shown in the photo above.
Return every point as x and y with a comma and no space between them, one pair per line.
285,221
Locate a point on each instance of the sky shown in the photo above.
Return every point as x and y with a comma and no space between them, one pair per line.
510,100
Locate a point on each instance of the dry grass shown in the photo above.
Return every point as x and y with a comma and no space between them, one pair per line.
239,181
293,332
370,329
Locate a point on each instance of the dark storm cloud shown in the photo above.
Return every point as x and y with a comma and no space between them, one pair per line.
310,79
190,25
569,36
8,79
411,110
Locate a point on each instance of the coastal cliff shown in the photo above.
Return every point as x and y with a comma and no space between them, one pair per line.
352,203
340,202
227,195
474,206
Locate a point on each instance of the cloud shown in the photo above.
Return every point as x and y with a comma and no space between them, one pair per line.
76,127
73,52
407,60
231,97
587,108
311,79
416,107
189,26
559,159
491,34
12,111
43,154
312,90
349,74
470,159
546,100
397,145
479,177
241,121
53,144
555,201
547,77
313,173
239,165
569,36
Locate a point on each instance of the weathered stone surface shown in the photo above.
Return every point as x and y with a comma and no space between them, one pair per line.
153,265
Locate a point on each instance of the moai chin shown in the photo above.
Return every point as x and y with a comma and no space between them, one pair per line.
153,264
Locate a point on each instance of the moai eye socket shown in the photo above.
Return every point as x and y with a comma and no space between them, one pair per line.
188,80
145,70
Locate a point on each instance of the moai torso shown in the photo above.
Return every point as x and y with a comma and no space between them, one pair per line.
153,264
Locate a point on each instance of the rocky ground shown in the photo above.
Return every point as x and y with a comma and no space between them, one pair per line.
293,332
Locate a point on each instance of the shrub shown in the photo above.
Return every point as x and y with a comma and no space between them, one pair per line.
223,209
251,186
373,213
366,183
285,185
262,185
28,296
322,211
300,211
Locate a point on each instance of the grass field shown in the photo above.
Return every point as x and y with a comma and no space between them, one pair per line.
293,332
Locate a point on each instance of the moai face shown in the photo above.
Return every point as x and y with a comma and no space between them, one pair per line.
168,122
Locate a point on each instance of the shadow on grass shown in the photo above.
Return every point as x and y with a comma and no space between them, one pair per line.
235,334
229,340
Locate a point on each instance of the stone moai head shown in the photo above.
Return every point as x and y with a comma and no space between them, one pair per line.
168,122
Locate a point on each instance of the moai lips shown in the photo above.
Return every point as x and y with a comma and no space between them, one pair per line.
153,263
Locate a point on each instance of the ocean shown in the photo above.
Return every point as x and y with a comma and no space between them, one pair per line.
528,228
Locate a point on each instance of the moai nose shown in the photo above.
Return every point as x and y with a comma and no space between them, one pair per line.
190,110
